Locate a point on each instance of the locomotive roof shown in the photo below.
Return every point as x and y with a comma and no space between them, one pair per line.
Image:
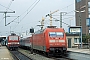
13,35
41,31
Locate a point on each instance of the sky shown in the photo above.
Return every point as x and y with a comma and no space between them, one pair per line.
29,13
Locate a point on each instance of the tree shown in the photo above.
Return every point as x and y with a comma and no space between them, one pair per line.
85,38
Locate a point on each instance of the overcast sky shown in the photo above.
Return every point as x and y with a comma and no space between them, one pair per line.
30,12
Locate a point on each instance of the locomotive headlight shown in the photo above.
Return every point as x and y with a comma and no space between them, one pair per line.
18,43
9,43
61,40
51,41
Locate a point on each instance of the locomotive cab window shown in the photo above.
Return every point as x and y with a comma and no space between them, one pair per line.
13,37
52,34
56,34
59,34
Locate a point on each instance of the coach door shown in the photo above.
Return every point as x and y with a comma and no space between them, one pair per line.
69,42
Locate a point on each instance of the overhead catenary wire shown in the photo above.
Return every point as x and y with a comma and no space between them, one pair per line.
9,5
16,20
31,9
64,18
12,20
67,6
26,14
66,15
35,3
5,7
23,13
62,21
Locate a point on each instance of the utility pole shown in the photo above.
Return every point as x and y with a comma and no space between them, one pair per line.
61,20
80,24
5,15
61,14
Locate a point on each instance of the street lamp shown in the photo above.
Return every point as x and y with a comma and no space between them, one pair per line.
80,23
79,16
61,13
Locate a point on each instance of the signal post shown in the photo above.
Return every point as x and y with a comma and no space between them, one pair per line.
32,31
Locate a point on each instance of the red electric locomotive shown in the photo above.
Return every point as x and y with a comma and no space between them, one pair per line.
13,41
50,41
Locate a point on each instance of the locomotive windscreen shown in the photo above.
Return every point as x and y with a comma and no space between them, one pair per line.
13,38
56,34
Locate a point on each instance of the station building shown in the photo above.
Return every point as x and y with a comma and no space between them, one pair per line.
73,40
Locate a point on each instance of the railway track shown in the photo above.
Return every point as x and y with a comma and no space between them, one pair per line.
19,56
62,58
44,57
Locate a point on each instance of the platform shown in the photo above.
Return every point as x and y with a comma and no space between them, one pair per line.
85,51
5,54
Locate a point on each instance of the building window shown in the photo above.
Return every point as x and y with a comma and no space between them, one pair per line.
77,40
89,16
88,4
89,10
78,1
